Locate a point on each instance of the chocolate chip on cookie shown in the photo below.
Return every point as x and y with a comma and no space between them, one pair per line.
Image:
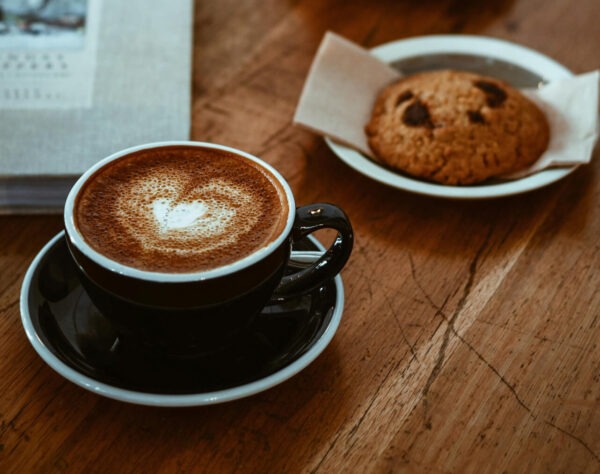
417,115
475,116
495,95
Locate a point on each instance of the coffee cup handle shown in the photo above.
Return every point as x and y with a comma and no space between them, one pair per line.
308,220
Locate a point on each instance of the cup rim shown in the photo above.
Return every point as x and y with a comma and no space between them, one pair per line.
79,242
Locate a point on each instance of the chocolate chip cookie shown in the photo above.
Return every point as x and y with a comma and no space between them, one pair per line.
456,127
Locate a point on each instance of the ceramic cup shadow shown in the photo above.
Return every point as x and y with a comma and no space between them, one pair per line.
183,314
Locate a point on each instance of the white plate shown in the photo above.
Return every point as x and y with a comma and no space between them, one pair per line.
515,64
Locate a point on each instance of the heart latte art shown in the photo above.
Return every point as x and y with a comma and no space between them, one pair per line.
170,217
180,209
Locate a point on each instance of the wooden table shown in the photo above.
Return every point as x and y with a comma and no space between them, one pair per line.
470,339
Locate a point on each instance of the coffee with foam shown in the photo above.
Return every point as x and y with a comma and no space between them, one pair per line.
180,209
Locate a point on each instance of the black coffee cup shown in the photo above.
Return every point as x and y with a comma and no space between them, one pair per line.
188,313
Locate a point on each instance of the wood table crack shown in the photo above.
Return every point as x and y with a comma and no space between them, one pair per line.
452,330
400,327
450,324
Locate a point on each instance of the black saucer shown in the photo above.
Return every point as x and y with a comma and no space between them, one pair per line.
61,316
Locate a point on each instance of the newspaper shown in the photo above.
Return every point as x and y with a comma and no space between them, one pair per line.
81,79
48,53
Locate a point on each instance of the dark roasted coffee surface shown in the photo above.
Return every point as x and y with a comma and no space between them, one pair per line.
180,209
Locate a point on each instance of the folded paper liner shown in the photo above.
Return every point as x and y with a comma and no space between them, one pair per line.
344,80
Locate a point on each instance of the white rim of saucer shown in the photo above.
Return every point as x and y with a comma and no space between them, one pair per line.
492,48
77,239
187,400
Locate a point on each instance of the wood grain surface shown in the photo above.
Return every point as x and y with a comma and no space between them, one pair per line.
470,340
